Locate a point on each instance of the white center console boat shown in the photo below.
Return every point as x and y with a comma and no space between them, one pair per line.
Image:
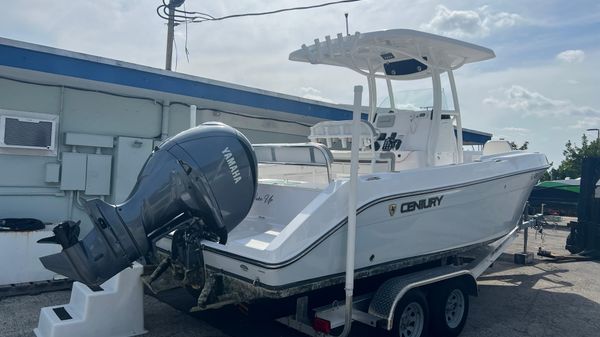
234,231
418,200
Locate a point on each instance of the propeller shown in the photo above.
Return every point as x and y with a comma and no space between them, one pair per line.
66,234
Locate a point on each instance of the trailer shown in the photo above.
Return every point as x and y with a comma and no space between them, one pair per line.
429,302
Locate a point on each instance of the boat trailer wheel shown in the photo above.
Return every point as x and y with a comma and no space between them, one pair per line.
455,308
449,309
411,321
411,317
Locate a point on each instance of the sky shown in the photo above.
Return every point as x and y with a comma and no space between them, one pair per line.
542,87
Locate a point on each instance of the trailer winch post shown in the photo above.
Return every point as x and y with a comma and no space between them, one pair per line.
525,230
526,257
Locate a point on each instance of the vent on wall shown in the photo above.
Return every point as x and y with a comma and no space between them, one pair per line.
27,133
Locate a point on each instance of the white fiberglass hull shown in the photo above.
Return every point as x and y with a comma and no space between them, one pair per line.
478,203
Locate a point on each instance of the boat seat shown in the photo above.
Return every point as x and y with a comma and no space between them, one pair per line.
492,147
275,205
330,132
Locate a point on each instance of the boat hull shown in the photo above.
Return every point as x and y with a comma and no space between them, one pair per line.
395,231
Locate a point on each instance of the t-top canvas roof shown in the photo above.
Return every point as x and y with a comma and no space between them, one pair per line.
397,53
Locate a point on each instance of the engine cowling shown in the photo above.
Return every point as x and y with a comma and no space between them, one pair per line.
208,172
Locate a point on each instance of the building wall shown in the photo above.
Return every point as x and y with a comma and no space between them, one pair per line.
134,125
97,113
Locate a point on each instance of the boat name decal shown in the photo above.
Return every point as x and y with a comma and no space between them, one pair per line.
233,168
412,206
267,198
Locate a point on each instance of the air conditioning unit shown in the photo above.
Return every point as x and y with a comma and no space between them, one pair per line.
21,132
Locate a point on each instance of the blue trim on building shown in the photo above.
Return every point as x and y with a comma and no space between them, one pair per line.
68,66
470,137
22,58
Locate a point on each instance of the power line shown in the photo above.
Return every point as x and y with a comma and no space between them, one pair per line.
197,17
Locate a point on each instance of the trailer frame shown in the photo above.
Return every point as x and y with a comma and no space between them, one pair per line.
377,308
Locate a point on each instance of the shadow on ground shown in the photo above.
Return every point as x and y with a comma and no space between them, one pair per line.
544,299
537,300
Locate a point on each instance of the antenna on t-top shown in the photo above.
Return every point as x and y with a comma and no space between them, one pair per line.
347,31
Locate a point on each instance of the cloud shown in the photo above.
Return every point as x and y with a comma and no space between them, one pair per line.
314,94
520,99
586,123
407,106
571,56
469,23
515,129
514,133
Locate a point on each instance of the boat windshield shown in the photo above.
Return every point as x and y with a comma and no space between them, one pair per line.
415,100
415,95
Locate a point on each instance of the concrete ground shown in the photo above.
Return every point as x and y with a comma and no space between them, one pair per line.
543,299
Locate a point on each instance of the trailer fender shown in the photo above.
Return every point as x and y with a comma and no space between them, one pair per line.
391,291
468,281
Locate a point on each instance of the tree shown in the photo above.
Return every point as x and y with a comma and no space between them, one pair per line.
514,145
571,165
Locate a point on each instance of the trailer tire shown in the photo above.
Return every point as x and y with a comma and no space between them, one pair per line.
411,316
449,309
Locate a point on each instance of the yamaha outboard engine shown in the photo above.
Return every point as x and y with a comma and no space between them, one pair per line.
208,172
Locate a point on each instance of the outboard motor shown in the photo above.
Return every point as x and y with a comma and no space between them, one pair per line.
208,172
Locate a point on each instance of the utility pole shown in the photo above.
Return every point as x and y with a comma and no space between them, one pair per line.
597,140
598,132
347,31
171,31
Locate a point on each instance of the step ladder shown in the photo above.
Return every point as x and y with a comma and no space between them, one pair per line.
116,309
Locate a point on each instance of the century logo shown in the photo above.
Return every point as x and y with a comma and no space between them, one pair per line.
411,206
233,168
